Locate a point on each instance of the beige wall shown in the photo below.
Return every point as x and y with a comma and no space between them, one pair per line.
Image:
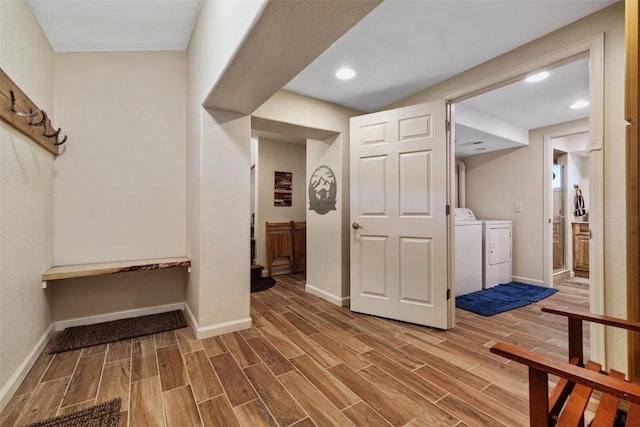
220,29
225,225
26,202
84,297
327,254
609,21
120,183
497,180
217,216
278,156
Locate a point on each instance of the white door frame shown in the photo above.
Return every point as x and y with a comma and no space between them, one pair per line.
592,47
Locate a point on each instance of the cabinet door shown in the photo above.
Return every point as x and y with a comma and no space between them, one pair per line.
581,249
582,252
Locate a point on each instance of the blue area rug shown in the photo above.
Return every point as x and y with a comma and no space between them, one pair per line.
505,297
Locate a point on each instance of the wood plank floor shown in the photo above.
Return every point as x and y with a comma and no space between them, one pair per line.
306,362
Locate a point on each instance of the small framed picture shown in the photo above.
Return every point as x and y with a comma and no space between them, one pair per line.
282,188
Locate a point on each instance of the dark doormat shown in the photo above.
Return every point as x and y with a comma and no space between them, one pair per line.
261,284
117,330
106,414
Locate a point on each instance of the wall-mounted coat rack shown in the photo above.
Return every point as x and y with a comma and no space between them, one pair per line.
19,111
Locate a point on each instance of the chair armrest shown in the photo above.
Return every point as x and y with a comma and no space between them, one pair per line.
616,387
595,318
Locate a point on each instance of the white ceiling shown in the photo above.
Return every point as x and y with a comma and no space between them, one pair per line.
527,106
401,47
116,25
404,46
534,105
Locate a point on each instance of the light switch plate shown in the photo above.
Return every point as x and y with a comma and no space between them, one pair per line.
517,207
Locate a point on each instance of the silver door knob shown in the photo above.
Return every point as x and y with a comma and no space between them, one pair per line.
355,226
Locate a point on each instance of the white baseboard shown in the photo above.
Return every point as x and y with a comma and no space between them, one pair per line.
529,281
8,390
341,301
107,317
202,332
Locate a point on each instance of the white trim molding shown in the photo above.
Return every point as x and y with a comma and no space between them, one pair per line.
530,281
333,299
596,252
202,332
11,386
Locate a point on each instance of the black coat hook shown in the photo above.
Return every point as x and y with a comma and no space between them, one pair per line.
31,114
51,135
54,135
61,142
41,122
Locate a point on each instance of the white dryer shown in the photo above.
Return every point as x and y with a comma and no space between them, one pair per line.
468,252
497,252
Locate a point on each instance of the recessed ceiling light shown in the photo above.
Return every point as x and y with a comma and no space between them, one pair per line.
537,77
579,104
345,73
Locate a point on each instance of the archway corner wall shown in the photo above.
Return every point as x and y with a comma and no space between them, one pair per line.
325,126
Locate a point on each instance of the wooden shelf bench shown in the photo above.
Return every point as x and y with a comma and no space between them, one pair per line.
58,272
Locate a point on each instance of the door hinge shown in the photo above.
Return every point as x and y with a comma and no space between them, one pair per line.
448,209
448,294
447,125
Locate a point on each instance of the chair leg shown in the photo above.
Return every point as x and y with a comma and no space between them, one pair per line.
575,340
538,398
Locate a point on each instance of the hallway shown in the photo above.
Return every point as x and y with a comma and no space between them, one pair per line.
306,362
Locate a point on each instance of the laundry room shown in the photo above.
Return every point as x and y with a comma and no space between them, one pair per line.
502,138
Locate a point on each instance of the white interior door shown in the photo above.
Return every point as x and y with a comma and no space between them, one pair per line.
399,194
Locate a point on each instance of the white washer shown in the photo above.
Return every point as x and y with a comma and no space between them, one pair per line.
468,252
497,252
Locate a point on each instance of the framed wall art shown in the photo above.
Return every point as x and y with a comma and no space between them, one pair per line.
282,188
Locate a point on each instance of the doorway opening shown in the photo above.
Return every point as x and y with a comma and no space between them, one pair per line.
278,205
570,207
322,233
517,181
500,140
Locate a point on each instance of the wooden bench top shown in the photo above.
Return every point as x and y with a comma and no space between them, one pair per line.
58,272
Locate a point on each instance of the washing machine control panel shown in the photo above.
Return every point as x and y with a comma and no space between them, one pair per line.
464,214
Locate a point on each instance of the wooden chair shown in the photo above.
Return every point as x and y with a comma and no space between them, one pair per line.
566,404
299,230
280,258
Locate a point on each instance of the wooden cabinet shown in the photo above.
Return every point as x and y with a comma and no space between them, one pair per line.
581,249
286,247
